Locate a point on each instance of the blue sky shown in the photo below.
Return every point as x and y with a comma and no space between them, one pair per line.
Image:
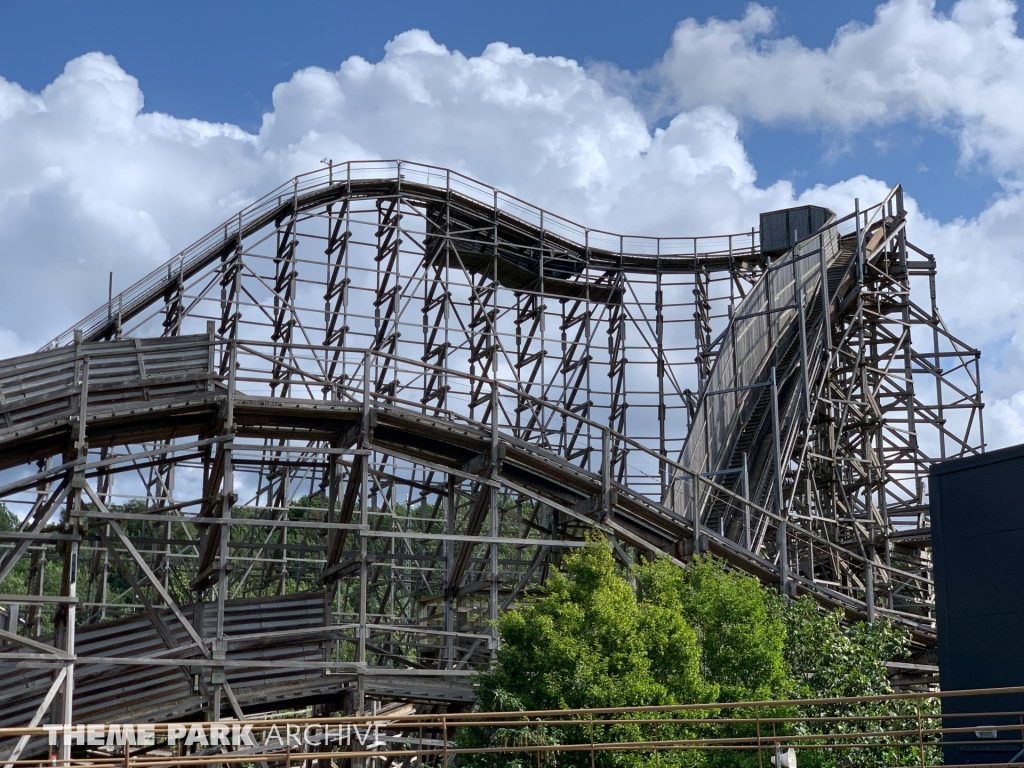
219,61
127,129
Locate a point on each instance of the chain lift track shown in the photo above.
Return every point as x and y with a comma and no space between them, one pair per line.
311,459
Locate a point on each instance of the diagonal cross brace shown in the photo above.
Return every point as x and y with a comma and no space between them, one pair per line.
38,716
478,512
348,505
158,622
150,576
164,594
42,517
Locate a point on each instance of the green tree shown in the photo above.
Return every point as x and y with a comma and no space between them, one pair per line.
834,659
591,641
17,581
738,621
654,634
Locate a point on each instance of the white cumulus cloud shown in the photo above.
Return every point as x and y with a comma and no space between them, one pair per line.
964,70
90,182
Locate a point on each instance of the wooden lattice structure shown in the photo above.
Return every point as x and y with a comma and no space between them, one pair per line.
314,456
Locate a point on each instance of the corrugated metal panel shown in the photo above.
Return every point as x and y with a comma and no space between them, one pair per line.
39,389
109,693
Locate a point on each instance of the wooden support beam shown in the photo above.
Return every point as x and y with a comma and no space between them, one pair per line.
40,517
345,515
480,506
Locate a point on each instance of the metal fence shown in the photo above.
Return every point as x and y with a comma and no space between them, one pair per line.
895,730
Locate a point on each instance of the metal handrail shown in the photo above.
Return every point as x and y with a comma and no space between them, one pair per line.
311,185
856,725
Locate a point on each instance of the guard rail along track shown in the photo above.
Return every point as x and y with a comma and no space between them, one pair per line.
311,459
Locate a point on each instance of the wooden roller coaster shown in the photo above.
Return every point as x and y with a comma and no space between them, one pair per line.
311,459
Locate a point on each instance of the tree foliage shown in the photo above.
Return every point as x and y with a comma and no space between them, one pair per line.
738,622
829,658
594,641
655,634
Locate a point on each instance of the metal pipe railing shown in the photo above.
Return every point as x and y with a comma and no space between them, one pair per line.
906,729
310,187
